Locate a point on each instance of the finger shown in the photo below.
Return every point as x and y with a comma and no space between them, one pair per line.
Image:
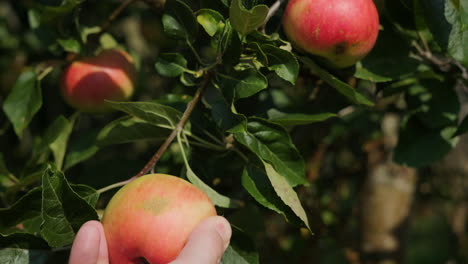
103,257
207,242
89,246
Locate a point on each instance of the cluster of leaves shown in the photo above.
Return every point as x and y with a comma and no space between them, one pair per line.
224,49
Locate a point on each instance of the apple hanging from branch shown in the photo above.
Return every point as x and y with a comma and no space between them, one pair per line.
151,218
341,32
88,82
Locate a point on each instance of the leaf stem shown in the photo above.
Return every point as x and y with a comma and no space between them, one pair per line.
183,120
194,51
206,144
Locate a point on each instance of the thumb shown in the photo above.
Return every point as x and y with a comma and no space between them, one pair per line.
89,246
207,242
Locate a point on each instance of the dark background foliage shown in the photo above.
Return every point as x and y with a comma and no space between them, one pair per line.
309,164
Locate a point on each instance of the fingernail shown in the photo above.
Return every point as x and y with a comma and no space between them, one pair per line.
224,230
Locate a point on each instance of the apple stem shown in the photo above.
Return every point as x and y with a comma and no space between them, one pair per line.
183,120
105,26
115,185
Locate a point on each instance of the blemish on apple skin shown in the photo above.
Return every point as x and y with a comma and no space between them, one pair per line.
155,206
340,48
317,32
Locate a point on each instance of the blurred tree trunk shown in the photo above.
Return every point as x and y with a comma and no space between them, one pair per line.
386,199
453,171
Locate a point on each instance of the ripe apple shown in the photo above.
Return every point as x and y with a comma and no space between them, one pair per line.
340,31
88,82
151,218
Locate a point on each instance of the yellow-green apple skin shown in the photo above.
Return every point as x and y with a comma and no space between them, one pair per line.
152,217
341,32
110,75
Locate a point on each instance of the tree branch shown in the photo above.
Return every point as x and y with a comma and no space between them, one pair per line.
443,63
271,12
105,26
183,120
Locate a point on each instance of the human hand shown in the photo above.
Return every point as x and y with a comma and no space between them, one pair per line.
206,243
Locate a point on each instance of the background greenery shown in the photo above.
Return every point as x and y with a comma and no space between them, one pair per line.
282,144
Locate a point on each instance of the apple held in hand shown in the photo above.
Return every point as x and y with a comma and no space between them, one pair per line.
88,82
152,217
341,31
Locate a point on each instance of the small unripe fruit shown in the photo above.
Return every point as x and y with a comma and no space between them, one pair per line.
152,217
88,82
340,31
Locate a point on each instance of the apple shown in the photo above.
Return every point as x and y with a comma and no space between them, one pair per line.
340,31
110,75
151,218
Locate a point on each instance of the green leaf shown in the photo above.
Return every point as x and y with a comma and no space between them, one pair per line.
108,42
234,256
218,199
241,248
70,45
157,114
271,143
87,31
288,119
171,64
23,256
211,20
389,59
27,207
63,210
464,14
258,185
50,13
29,177
84,148
189,79
179,21
286,192
340,86
56,138
419,146
230,45
445,21
245,21
261,57
89,194
21,240
129,129
434,103
245,83
220,107
24,101
7,179
283,62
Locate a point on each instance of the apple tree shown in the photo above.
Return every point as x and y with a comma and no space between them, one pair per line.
311,160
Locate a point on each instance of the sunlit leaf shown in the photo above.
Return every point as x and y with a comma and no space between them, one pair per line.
245,21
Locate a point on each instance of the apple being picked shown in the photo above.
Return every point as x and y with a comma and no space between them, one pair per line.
340,31
150,219
88,82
